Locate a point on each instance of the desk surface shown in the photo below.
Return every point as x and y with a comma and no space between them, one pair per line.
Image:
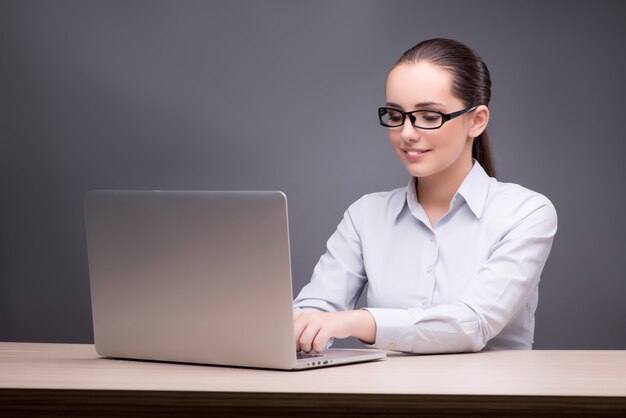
562,376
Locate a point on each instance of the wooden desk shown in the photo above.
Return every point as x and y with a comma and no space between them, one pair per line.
71,380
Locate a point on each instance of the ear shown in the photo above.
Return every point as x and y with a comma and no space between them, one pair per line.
480,118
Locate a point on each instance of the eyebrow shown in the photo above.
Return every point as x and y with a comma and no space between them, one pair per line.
422,104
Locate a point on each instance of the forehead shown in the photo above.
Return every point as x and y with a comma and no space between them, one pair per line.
409,84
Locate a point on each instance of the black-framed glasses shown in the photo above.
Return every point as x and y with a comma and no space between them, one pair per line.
423,119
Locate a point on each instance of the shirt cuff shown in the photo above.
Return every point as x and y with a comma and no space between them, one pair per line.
391,327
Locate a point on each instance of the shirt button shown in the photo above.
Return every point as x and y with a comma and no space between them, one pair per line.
429,269
432,239
391,346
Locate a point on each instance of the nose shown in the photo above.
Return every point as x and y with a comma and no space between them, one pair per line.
409,132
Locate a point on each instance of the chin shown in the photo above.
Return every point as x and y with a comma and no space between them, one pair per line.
420,171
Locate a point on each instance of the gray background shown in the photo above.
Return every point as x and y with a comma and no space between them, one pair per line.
282,95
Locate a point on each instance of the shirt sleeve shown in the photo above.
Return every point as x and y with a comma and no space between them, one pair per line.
501,288
339,276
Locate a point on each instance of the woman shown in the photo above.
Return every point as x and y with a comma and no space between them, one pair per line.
452,261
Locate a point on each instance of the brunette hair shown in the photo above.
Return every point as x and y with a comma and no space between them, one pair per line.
470,82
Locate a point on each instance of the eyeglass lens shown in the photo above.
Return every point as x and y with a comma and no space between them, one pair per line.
420,118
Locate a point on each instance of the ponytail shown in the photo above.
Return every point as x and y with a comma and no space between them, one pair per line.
481,151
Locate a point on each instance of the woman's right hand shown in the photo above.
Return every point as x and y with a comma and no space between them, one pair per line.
314,329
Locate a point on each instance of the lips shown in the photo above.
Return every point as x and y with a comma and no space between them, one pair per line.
413,153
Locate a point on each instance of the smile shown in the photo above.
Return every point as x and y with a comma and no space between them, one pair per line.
413,154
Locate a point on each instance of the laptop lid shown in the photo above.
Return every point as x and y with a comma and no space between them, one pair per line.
201,277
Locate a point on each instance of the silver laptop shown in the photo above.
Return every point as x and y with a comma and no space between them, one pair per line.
196,277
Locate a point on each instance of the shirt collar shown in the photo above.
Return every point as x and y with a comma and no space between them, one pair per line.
473,190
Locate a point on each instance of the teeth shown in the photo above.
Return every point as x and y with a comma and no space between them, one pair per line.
413,153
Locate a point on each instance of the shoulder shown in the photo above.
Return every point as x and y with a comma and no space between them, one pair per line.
514,195
388,201
383,207
375,212
516,202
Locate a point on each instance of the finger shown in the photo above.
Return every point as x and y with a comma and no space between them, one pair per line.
305,342
321,340
298,327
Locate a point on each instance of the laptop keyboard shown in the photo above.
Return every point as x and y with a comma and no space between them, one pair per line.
302,355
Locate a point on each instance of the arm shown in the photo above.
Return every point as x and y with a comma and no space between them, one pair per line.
339,276
500,289
324,307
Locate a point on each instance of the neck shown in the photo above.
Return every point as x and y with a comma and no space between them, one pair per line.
439,189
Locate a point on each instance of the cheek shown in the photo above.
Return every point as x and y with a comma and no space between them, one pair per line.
393,136
450,138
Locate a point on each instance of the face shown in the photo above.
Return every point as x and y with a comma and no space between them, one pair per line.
427,153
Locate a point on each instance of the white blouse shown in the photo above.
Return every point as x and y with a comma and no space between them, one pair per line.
465,284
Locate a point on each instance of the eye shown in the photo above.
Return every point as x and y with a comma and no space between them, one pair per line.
394,115
429,116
